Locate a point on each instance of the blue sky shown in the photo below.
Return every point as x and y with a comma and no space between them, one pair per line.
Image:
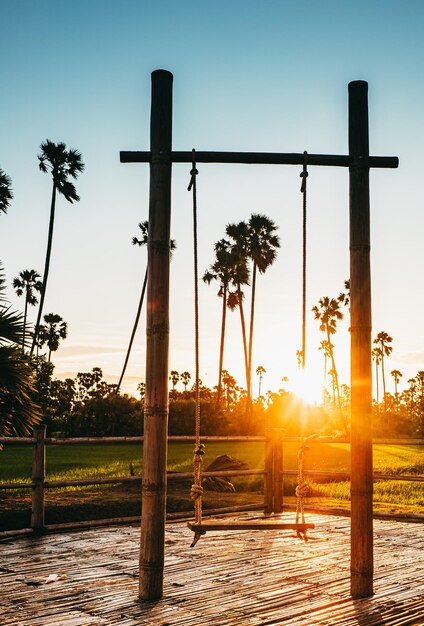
258,76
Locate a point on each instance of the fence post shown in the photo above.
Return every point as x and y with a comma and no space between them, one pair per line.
38,477
269,473
278,471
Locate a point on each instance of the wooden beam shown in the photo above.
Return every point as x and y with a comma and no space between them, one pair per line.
152,547
360,331
265,524
260,158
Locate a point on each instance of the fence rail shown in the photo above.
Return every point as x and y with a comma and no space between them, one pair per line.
273,471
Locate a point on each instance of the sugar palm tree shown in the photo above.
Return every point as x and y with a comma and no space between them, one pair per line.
27,283
62,164
144,227
383,341
185,379
328,313
376,356
18,409
50,333
397,375
221,271
6,194
260,371
174,377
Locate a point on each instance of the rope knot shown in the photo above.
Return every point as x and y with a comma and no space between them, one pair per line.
303,490
196,492
200,450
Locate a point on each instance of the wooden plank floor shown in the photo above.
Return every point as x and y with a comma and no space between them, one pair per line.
243,578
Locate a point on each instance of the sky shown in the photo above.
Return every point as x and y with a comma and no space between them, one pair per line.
256,76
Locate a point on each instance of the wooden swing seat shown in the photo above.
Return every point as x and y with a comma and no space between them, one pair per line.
246,525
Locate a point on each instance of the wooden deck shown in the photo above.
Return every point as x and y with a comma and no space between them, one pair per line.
243,578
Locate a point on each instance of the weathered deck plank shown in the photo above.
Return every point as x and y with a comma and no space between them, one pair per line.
242,578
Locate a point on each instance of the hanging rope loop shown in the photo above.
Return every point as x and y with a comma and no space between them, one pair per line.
304,176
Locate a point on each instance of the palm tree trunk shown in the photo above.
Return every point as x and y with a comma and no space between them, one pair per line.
134,330
25,318
47,264
384,381
221,347
336,384
243,332
252,317
376,386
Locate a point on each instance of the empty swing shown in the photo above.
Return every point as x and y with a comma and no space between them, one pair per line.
199,526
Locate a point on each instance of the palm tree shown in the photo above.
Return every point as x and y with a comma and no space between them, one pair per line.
52,332
6,194
185,379
376,356
257,241
260,371
328,313
18,409
221,271
383,341
174,377
397,375
62,164
27,283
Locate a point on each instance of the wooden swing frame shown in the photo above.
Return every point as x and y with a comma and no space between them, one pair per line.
161,157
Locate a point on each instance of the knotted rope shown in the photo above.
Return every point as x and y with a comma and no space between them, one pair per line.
196,491
303,490
304,176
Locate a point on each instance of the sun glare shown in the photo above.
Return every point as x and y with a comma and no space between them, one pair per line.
307,385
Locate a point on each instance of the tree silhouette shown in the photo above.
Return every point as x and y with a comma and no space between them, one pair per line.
27,283
260,371
62,165
6,194
255,240
19,411
397,375
376,356
174,377
383,341
185,379
328,313
50,333
221,270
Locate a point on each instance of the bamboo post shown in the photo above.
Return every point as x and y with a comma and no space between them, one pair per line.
360,329
269,473
152,547
278,471
38,477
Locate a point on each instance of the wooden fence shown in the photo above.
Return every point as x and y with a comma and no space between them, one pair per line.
273,471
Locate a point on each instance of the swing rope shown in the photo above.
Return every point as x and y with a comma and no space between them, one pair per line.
302,489
196,491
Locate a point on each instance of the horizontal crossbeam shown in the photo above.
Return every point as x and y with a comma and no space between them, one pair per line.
263,158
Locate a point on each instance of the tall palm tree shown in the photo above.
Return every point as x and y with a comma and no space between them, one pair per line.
6,194
27,283
62,165
174,377
50,333
260,371
383,341
258,241
328,313
144,227
376,356
221,270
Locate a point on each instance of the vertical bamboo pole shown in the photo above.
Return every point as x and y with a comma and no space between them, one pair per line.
360,329
269,473
278,471
38,477
152,547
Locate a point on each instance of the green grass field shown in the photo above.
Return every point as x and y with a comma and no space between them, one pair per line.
89,461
